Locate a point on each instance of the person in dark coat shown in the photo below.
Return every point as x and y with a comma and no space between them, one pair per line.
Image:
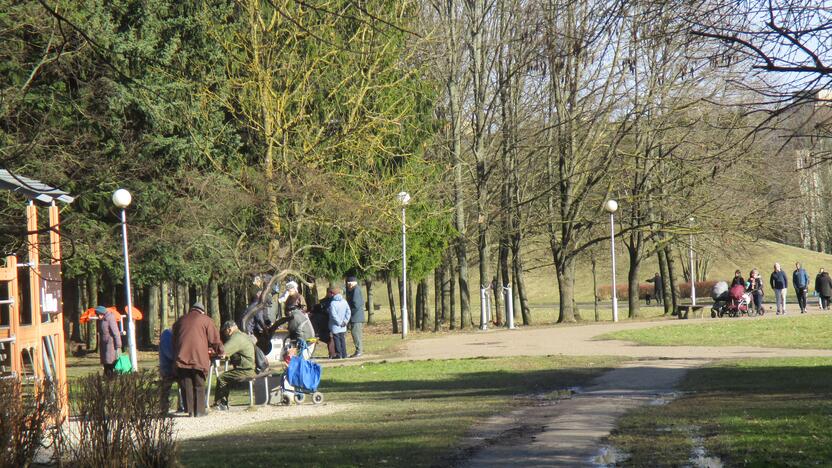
657,288
800,282
779,283
166,369
823,286
320,321
355,298
195,338
755,287
109,340
738,279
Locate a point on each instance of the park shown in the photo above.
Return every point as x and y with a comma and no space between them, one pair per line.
415,233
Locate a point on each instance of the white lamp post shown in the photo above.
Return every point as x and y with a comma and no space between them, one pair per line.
611,206
404,200
122,199
692,270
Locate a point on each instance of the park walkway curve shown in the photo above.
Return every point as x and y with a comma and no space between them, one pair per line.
571,432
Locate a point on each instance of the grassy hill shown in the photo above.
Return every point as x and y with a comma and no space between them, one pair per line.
543,289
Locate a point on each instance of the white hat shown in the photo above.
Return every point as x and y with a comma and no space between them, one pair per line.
291,285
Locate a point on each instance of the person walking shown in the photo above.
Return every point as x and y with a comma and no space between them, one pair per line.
823,286
657,288
800,281
239,349
166,369
738,279
195,338
355,298
109,340
779,283
755,287
339,317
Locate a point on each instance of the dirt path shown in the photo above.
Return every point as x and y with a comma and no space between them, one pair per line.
570,432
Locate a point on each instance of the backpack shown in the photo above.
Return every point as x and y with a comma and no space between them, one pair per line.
261,362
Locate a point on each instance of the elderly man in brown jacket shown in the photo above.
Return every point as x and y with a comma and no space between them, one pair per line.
194,337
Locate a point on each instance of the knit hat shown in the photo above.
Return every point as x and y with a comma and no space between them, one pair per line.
351,279
100,310
198,305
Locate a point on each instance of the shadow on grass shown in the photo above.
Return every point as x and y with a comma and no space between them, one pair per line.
746,413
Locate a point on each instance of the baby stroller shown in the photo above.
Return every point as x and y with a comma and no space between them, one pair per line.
301,378
733,302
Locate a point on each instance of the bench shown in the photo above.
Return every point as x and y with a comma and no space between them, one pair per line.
269,380
685,311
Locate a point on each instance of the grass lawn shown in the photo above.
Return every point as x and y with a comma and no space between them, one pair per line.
760,412
403,413
808,332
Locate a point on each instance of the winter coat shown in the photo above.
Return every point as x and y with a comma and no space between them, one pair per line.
300,325
355,299
738,280
109,338
193,334
823,285
800,279
778,280
240,351
166,357
339,314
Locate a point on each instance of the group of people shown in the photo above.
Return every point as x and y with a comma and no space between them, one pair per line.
187,349
779,283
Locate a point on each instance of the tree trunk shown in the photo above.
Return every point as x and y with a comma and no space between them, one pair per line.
151,314
213,294
666,298
520,282
671,276
391,299
632,282
92,298
437,297
371,304
464,293
452,292
564,273
164,305
576,311
418,313
425,304
595,291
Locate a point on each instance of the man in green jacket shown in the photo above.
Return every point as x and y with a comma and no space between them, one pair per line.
239,349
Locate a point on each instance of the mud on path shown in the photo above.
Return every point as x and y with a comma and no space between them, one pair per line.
570,431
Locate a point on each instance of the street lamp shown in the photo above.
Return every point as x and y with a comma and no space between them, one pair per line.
122,199
404,200
611,206
692,271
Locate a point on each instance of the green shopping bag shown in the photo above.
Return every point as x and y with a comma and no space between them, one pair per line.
123,364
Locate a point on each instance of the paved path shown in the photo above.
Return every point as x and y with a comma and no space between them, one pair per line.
571,432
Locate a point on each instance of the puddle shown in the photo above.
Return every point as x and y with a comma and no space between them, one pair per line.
608,456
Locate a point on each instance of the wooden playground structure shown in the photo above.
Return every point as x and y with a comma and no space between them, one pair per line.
31,309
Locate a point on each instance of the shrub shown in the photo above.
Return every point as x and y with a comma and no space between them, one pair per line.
119,423
26,421
703,289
